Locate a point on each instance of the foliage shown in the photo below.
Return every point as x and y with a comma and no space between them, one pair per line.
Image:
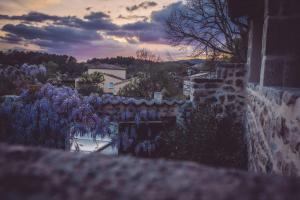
157,76
206,26
134,65
147,56
12,78
145,84
139,139
95,77
208,139
91,84
89,89
119,60
49,117
52,116
56,63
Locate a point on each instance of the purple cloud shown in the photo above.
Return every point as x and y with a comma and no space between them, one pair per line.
69,33
144,5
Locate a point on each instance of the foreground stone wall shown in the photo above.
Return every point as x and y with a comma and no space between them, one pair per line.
227,90
30,173
273,130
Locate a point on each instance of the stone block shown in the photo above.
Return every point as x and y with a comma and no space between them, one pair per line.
205,80
290,7
229,82
230,107
282,36
231,98
290,98
211,85
228,89
273,7
290,35
211,100
198,85
201,93
222,99
240,73
239,83
273,72
291,75
274,42
283,8
255,50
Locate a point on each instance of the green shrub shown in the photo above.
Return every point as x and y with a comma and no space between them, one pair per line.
208,139
91,84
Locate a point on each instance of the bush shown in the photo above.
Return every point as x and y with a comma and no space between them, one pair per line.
208,139
88,89
91,84
145,84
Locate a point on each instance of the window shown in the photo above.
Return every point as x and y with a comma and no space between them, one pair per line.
110,85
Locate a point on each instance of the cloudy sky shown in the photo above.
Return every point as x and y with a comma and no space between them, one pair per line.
87,28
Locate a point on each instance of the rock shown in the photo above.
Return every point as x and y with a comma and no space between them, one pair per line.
33,173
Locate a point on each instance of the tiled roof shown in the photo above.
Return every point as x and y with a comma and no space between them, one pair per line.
116,100
126,80
113,76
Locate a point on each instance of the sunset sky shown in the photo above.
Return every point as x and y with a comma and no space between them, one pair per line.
87,28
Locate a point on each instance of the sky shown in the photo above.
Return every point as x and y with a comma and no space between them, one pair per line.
88,28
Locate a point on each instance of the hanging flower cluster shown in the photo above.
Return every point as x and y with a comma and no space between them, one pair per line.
33,70
128,139
29,72
13,78
50,116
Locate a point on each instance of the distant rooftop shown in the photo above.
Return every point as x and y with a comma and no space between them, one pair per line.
105,66
111,75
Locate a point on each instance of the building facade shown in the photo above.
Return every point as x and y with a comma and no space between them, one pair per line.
114,77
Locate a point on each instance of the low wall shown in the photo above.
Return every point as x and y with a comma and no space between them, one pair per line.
273,130
227,90
32,173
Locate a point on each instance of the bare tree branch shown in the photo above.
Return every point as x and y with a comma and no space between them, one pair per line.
205,25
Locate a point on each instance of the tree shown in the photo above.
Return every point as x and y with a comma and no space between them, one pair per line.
147,55
153,80
57,63
95,77
206,26
91,83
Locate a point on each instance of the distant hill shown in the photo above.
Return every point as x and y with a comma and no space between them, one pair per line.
53,62
191,61
68,64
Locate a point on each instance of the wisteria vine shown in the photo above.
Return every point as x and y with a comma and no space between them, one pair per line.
52,116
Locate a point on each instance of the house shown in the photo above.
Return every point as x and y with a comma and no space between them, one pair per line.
115,76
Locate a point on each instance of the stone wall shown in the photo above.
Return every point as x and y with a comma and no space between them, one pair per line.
280,44
273,127
227,90
273,110
33,173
